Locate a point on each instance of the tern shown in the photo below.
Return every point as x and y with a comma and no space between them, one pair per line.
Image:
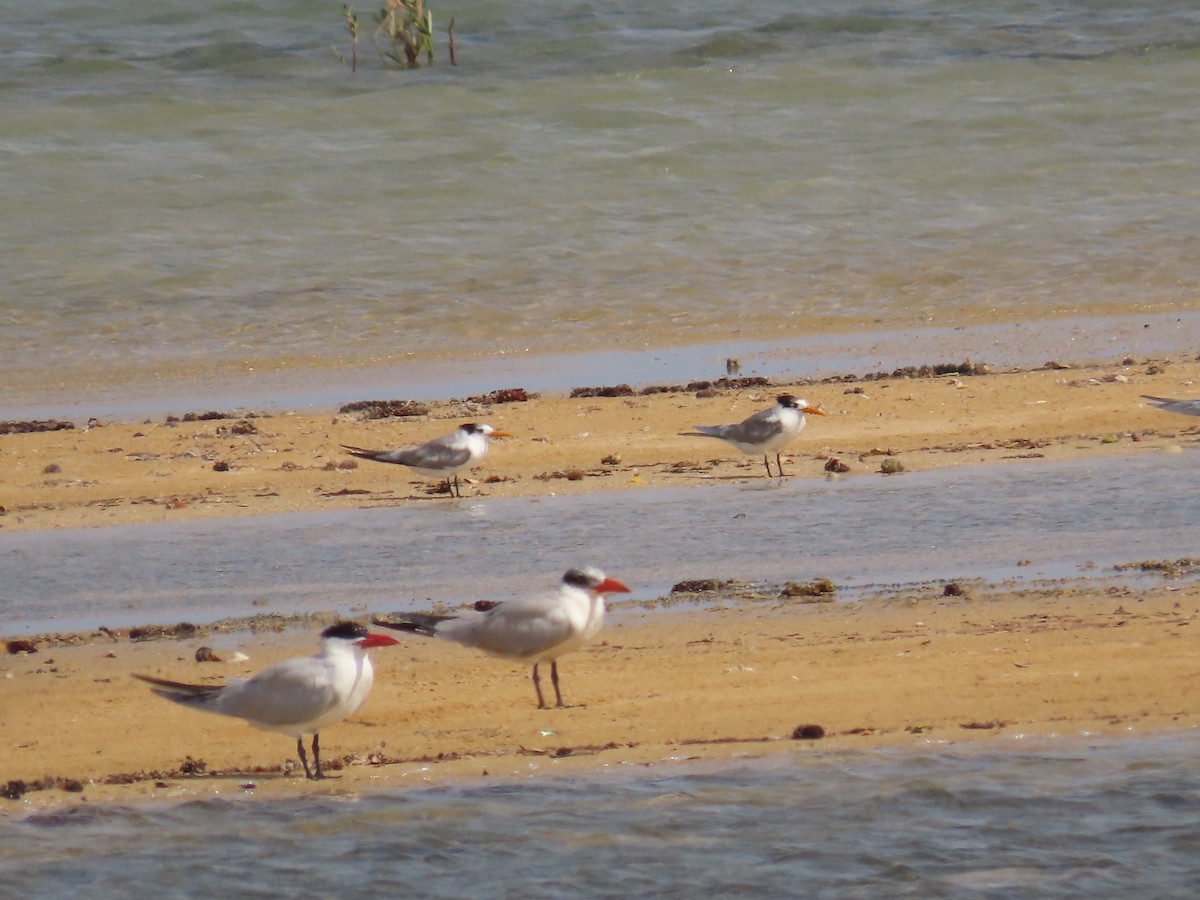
442,457
296,697
766,430
1186,407
535,629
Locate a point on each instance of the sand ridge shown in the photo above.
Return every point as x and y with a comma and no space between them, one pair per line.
121,473
726,681
657,686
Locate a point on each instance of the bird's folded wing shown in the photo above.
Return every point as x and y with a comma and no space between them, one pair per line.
296,690
433,456
389,456
518,629
758,428
1170,404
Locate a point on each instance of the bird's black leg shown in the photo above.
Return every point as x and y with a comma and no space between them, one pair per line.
317,755
457,492
779,465
767,463
537,686
303,756
554,681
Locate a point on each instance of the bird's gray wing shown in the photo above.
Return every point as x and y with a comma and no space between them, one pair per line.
757,429
387,456
295,690
517,629
434,455
1185,407
760,427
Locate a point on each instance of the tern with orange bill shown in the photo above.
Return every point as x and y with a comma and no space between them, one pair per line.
296,697
442,457
766,431
535,629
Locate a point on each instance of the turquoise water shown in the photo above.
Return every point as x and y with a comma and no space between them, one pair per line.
204,189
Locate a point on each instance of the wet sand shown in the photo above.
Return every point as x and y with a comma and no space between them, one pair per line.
155,471
657,686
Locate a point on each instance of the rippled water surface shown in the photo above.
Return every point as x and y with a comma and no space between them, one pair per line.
1067,819
1063,519
200,191
204,187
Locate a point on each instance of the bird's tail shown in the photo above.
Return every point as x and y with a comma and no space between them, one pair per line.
703,431
187,694
416,623
364,453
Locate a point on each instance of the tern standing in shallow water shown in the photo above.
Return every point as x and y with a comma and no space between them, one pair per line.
535,629
766,430
297,696
442,457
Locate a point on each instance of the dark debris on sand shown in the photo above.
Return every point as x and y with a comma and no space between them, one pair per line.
33,426
386,409
504,395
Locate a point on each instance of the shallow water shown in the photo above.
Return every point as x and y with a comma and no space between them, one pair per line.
1022,345
1067,818
207,190
1069,519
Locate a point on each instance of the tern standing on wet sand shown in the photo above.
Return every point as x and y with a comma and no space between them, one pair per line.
534,629
442,457
296,697
766,430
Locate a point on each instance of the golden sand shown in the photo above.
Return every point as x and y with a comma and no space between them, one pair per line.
656,686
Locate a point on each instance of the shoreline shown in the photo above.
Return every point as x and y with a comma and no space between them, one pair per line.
823,349
919,669
243,465
914,669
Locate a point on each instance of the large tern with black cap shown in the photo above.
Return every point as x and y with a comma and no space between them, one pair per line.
535,629
766,431
296,697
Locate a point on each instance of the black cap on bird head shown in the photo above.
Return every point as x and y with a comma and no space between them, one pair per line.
347,631
787,400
